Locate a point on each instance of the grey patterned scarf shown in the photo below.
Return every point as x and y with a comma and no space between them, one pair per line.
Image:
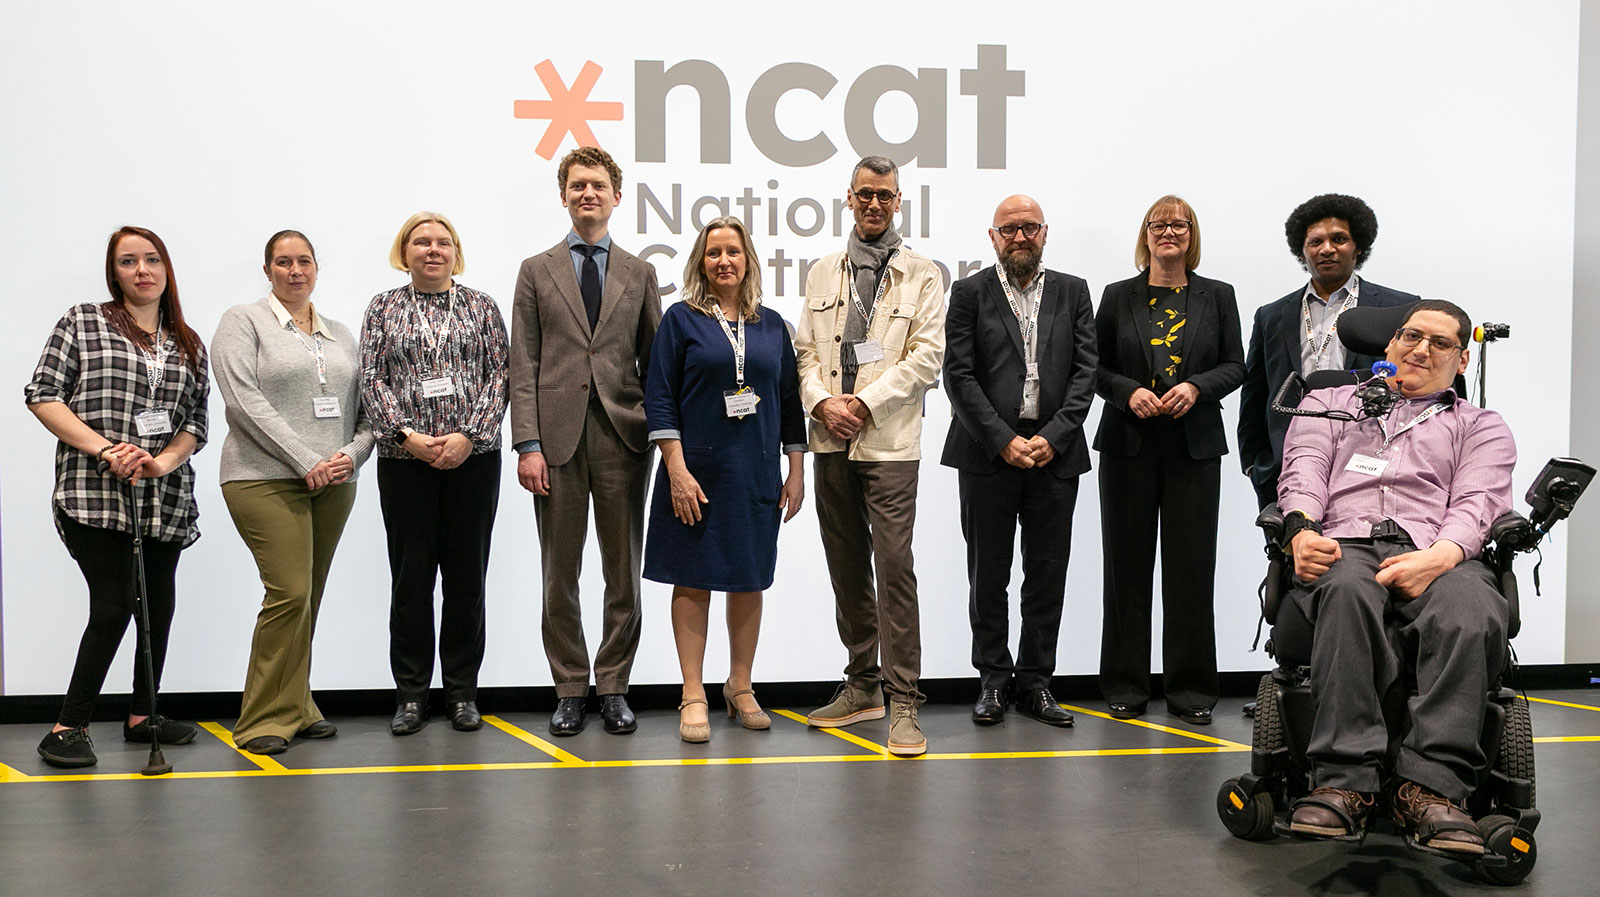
867,261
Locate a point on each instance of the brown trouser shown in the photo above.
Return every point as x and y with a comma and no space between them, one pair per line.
616,476
292,531
867,510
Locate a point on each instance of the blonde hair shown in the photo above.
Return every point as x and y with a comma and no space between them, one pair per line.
696,286
397,252
1141,249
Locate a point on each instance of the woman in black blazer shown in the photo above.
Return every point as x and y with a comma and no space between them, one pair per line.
1169,352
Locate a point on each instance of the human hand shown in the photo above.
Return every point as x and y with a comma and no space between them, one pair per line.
319,475
1016,453
533,473
1410,574
1179,399
342,467
423,447
1041,451
453,449
687,496
793,494
835,414
1143,403
125,459
1313,554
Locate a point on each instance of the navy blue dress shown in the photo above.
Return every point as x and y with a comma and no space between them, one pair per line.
734,547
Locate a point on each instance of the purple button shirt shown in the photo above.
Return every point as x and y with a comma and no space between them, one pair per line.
1448,477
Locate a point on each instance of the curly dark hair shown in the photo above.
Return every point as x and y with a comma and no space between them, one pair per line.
1351,209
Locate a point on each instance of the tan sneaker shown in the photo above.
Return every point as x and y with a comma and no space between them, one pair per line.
905,736
849,705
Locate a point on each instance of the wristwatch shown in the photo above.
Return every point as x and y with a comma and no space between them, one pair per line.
401,437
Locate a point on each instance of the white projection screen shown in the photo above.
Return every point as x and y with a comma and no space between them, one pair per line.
216,125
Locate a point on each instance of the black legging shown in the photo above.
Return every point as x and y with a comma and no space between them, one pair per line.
106,558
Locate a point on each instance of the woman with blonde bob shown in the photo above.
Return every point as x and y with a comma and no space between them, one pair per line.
433,366
1169,352
722,400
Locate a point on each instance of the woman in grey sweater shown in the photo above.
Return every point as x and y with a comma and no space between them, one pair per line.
296,434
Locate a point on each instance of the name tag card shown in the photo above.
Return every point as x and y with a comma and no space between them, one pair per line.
1367,465
325,406
438,386
153,422
740,402
869,350
1033,370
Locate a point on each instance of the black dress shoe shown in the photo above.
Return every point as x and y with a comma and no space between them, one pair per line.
464,716
266,744
1041,705
319,729
1249,710
1120,710
409,718
617,715
990,708
568,718
1195,716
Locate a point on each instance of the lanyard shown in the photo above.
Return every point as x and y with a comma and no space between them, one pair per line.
737,344
1028,349
427,330
155,368
883,283
1383,422
316,353
1333,326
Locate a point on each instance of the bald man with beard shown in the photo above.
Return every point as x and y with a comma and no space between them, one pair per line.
1019,369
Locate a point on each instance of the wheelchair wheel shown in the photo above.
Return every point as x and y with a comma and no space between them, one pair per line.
1267,735
1516,747
1502,838
1247,816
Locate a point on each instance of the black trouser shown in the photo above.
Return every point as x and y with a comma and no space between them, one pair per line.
438,524
991,507
106,558
1161,489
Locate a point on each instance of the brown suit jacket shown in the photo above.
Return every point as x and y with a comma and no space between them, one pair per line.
555,358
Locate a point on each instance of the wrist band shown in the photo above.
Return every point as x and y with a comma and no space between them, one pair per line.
101,455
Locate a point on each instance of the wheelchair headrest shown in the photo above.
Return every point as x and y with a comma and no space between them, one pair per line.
1366,330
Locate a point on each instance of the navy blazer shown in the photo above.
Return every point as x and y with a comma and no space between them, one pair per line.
1213,360
984,369
1274,354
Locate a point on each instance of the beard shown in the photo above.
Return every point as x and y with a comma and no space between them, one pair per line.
1020,262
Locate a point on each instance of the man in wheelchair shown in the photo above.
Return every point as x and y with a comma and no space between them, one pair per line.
1386,519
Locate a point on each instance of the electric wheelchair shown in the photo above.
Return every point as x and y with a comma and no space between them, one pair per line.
1256,806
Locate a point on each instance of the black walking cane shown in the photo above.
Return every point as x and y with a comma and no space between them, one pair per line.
157,764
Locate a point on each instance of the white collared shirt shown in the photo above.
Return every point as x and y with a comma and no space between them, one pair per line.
1324,312
287,320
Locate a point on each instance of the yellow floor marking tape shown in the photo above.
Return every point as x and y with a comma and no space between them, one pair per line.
533,740
226,737
7,774
1552,739
837,733
1565,704
1232,745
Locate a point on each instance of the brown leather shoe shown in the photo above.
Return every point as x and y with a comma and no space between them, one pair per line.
1433,821
1331,813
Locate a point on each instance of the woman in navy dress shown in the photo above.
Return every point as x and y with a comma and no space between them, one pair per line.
722,400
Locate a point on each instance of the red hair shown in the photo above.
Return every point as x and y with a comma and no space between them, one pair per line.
121,320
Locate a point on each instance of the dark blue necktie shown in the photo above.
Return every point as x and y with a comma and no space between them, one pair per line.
589,284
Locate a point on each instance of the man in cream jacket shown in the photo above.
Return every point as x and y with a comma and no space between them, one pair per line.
870,344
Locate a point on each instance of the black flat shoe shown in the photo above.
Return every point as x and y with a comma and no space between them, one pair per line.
617,715
171,731
1195,716
266,744
1041,705
68,749
1119,710
409,718
568,718
319,729
990,707
464,716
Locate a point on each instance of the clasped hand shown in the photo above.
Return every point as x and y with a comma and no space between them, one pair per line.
1178,401
331,471
132,463
1026,453
844,415
441,452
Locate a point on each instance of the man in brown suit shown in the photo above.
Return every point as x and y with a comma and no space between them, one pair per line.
582,323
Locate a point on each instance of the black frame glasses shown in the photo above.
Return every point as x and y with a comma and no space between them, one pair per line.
866,195
1009,231
1179,226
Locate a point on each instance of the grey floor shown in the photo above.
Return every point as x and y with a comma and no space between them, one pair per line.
806,822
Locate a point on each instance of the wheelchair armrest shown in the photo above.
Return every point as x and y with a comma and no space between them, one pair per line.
1270,521
1510,524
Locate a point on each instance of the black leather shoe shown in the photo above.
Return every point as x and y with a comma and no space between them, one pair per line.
409,718
1195,716
1249,710
266,744
464,716
319,729
1120,710
617,715
1041,705
568,718
990,708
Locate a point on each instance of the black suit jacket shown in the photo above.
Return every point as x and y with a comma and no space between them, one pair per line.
1213,360
984,369
1274,354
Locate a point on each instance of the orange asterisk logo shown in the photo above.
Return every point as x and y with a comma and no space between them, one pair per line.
569,110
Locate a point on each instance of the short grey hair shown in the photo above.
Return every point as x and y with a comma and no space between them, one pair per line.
876,165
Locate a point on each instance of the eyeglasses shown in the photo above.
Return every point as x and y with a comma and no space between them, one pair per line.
1179,226
866,195
1009,231
1409,338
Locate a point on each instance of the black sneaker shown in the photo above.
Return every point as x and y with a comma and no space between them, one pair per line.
68,749
171,732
